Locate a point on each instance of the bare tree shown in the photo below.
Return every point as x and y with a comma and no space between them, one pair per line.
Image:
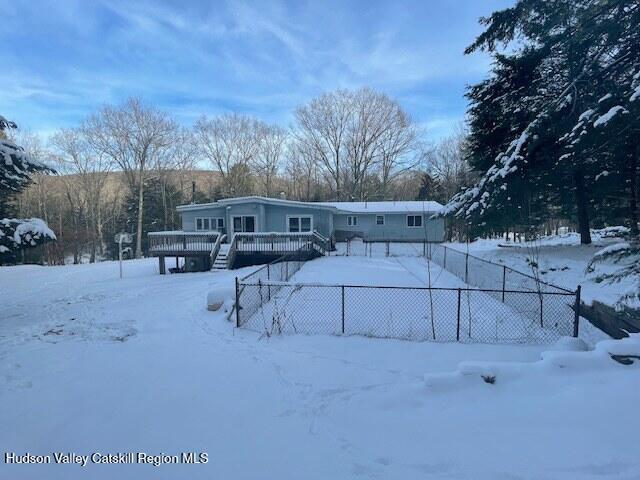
361,138
231,143
271,149
448,163
321,127
173,167
303,172
86,174
132,135
399,151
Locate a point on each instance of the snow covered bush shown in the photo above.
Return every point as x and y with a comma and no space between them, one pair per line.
619,263
22,233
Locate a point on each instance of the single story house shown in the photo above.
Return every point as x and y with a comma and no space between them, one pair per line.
397,221
261,228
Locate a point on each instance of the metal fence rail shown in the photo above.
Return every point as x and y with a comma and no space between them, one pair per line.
434,314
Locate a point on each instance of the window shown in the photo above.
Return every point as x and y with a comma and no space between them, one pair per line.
379,219
209,223
244,223
352,220
299,224
414,220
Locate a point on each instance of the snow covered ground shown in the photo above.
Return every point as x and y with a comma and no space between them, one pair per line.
90,363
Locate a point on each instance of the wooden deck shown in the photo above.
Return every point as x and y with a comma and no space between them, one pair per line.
178,243
243,249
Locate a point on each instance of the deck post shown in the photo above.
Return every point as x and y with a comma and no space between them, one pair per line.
576,312
161,265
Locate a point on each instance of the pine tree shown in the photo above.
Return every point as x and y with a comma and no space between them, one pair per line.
16,169
554,129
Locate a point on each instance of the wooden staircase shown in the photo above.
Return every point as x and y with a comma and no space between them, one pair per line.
221,260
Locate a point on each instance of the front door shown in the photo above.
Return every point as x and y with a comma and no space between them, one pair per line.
244,224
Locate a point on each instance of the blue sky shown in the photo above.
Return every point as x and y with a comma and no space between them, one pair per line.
64,59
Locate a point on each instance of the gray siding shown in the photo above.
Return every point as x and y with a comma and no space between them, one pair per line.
249,208
189,217
269,218
394,228
277,218
273,218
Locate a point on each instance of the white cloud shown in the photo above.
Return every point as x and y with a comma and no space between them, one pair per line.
258,57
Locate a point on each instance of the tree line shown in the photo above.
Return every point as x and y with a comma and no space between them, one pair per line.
126,167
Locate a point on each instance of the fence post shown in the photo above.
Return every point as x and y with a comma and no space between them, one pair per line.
237,304
387,250
541,310
504,280
576,312
445,258
342,309
458,323
466,268
424,248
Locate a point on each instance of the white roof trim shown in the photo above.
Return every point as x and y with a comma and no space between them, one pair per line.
383,207
232,201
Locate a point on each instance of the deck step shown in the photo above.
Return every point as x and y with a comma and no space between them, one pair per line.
220,262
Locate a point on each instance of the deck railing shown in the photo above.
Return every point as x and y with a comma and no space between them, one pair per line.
216,247
280,243
178,242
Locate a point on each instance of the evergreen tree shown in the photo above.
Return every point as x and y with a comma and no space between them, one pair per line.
554,129
16,169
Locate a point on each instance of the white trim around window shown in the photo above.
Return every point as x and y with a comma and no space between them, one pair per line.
300,223
352,220
380,220
414,221
208,224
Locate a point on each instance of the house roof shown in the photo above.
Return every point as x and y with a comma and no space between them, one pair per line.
232,201
346,207
403,206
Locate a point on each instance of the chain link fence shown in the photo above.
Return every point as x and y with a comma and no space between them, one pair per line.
481,273
274,274
472,270
505,306
435,314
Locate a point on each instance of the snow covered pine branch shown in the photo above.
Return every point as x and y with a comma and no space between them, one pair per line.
16,169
